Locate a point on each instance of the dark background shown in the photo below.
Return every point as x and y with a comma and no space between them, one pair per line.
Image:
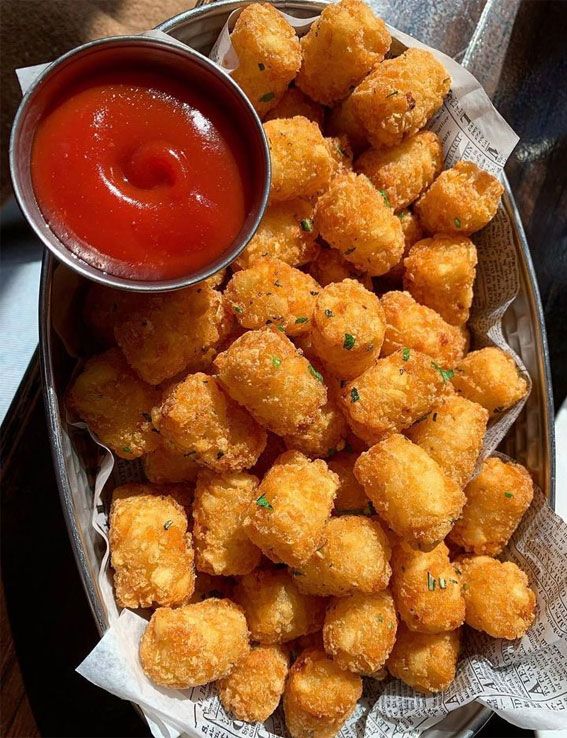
46,627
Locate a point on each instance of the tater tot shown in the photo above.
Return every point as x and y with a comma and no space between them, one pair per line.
410,491
294,102
351,497
294,500
330,266
399,96
403,172
412,234
102,308
252,690
411,325
341,47
301,162
198,419
166,465
496,502
353,217
462,200
425,661
276,611
270,292
269,55
439,272
354,557
151,551
490,377
181,493
319,696
194,644
220,506
207,586
324,436
360,630
498,598
263,371
286,232
344,121
452,434
115,404
426,589
391,395
348,326
172,332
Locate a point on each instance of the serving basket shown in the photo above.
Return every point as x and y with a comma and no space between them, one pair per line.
530,440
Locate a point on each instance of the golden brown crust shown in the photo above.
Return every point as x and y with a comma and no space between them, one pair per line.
330,266
166,465
324,436
294,102
351,497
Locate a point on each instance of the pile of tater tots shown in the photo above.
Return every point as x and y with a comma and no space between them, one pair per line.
309,422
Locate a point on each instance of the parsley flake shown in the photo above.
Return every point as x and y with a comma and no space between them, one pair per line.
281,328
430,582
276,361
263,502
446,374
127,449
307,225
395,92
349,341
405,354
329,313
314,293
167,525
354,396
318,376
267,97
509,495
301,319
237,309
458,222
386,198
442,583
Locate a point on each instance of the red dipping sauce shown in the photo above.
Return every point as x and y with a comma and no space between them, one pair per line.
140,176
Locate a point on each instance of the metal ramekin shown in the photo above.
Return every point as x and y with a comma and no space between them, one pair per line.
168,54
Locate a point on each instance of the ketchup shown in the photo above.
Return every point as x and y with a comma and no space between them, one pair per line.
140,175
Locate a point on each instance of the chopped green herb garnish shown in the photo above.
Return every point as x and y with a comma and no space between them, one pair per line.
263,502
402,215
458,222
281,328
127,449
354,396
307,225
405,354
314,293
318,376
238,309
301,319
261,66
276,361
329,313
430,582
442,583
380,618
167,525
349,341
465,587
386,198
446,374
509,495
267,97
395,92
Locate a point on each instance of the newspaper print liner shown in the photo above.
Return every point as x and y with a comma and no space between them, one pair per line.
524,681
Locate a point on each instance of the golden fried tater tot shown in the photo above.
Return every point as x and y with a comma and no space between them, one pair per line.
200,420
391,395
490,377
181,493
301,163
115,404
344,121
324,436
319,696
410,491
354,557
294,102
286,232
403,172
348,328
425,661
194,644
452,434
440,272
353,217
219,509
252,690
399,96
102,308
276,611
269,55
411,325
294,500
351,497
167,465
462,200
360,630
498,598
412,234
426,589
496,502
263,371
172,332
152,554
341,47
330,266
207,586
270,292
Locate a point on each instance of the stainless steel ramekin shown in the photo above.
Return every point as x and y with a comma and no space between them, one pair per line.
169,55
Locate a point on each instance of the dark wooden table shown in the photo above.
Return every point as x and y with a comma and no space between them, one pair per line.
46,627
